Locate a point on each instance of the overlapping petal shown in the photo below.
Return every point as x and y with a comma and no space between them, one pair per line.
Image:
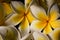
54,13
27,2
55,24
19,11
30,17
14,19
50,2
38,12
47,29
38,25
40,36
55,35
7,8
18,7
24,27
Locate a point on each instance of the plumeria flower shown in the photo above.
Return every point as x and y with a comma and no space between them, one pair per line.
22,16
7,11
55,35
14,17
46,21
9,33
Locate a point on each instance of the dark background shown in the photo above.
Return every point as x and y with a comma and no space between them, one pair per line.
20,0
11,0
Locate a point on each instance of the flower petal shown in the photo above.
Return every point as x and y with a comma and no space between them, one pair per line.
14,19
7,8
28,37
47,29
55,24
50,2
40,36
27,2
55,35
18,7
37,25
54,13
30,17
24,27
38,12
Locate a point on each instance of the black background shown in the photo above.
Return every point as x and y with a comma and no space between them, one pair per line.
19,0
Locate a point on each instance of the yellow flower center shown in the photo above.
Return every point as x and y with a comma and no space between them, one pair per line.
47,21
26,13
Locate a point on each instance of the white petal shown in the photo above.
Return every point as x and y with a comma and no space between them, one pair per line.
37,25
25,37
50,2
38,12
24,27
55,35
14,19
18,6
40,36
27,2
54,12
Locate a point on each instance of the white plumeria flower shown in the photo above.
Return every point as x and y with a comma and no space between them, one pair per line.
22,15
19,13
55,35
46,21
16,13
9,33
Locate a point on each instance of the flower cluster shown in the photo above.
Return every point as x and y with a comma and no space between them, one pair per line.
36,20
